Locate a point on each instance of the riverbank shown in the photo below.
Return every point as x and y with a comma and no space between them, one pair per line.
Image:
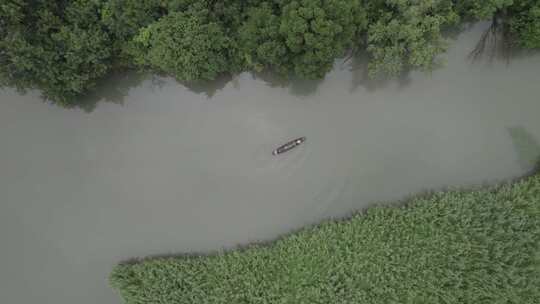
451,247
80,43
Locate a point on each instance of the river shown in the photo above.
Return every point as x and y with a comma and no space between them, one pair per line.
160,168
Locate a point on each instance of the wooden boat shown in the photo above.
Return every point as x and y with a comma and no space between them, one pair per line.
289,145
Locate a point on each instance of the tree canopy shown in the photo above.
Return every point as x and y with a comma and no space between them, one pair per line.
63,47
185,45
407,33
525,23
316,32
59,47
481,9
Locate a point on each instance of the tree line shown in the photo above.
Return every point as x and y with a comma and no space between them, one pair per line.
63,47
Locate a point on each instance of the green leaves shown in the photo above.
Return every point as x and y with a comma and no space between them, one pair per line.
407,34
525,23
187,46
61,50
482,9
317,32
124,18
259,40
300,37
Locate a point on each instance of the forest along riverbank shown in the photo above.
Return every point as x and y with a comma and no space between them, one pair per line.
171,169
80,43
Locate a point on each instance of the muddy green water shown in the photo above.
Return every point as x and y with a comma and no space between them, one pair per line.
168,169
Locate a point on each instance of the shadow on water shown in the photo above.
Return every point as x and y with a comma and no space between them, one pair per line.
209,88
114,88
527,148
358,65
297,86
497,43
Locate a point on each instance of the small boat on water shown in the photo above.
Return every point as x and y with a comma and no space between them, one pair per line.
289,145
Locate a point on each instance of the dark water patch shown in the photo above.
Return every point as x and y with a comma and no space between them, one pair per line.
527,147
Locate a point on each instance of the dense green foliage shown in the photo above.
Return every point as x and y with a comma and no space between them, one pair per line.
124,18
478,246
63,47
58,46
525,23
261,44
407,34
186,46
482,9
316,32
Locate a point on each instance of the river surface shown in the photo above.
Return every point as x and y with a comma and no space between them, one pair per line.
165,169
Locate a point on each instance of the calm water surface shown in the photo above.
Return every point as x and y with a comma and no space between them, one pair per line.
173,169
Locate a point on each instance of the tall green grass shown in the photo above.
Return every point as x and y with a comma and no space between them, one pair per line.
477,246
